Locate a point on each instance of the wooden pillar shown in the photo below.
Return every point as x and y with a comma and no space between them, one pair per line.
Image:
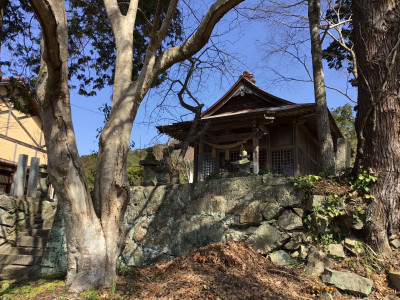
217,161
269,152
196,164
256,151
200,162
296,125
295,152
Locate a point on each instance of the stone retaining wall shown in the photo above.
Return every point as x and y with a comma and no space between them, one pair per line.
169,221
20,213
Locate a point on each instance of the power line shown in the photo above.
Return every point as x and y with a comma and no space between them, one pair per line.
96,112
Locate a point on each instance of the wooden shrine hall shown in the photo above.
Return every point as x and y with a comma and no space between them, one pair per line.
276,133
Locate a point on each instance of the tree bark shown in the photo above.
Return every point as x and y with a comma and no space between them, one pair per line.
85,238
377,45
323,128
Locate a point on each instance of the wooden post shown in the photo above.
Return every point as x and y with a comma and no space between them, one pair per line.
256,151
269,153
196,164
200,162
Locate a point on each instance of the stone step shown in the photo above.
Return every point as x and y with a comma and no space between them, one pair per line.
13,272
35,232
31,241
23,260
5,247
22,251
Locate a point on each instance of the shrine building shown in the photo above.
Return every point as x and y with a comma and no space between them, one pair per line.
276,133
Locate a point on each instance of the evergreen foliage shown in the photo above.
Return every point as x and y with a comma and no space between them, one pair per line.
345,120
335,54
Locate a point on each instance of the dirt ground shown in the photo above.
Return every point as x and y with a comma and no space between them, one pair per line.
220,271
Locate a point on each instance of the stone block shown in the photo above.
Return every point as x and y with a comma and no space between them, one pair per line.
320,222
7,203
317,261
267,238
353,245
295,241
251,214
304,250
348,282
395,243
271,179
140,229
287,196
235,235
281,258
315,201
290,221
336,251
7,219
48,210
394,279
299,212
271,210
133,255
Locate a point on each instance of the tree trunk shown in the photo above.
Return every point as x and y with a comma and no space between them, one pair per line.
323,127
85,239
94,227
377,45
2,7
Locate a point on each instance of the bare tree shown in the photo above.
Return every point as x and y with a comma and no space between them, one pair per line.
194,133
95,236
295,18
292,44
323,124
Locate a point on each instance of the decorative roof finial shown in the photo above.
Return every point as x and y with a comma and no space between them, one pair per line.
248,76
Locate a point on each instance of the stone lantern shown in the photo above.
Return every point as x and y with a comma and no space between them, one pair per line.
150,164
161,172
243,163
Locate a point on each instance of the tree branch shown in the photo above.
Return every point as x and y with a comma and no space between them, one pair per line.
196,41
168,19
44,11
113,12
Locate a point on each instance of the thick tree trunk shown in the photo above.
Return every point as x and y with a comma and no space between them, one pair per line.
111,183
95,236
323,127
377,45
85,238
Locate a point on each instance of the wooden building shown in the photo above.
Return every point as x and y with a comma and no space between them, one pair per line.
276,133
20,128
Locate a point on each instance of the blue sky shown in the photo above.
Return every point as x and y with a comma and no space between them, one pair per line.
248,41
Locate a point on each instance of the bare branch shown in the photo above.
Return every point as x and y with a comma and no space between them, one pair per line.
196,41
168,19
